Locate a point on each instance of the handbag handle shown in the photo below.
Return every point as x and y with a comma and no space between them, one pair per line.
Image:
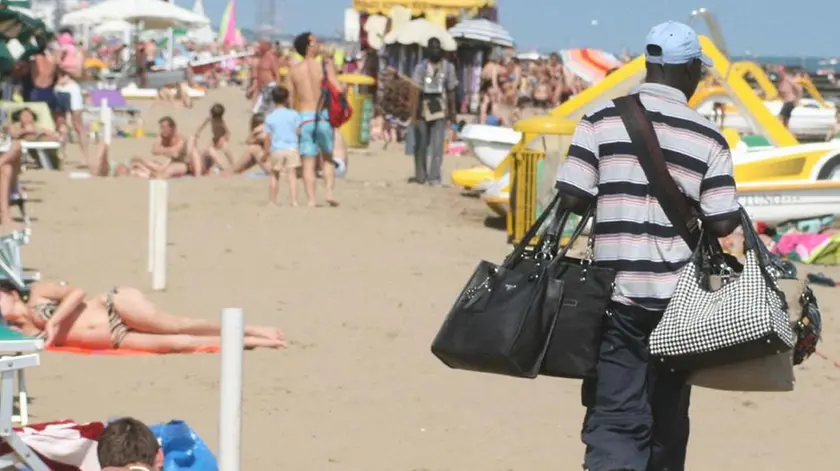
520,248
578,231
660,182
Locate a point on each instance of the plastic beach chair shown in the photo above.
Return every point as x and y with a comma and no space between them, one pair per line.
45,151
17,352
11,266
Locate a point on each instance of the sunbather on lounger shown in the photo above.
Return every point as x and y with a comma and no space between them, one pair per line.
24,127
174,149
122,317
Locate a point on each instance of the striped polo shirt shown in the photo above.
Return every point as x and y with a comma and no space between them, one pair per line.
632,233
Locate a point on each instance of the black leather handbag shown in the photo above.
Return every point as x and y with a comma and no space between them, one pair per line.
587,288
503,317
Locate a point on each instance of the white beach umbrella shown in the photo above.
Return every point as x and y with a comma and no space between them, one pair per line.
154,14
419,31
482,30
112,27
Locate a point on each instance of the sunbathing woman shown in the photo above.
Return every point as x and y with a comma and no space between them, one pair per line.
256,147
122,317
24,127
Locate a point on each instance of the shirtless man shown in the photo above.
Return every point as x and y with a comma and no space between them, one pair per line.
790,92
170,145
316,134
43,72
264,79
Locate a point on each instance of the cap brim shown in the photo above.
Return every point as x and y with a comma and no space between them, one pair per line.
706,60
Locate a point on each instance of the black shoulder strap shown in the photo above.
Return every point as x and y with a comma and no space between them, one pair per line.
662,185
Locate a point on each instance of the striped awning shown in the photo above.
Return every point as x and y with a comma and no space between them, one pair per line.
591,65
482,30
419,7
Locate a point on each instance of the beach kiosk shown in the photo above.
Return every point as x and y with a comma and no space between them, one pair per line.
356,131
532,164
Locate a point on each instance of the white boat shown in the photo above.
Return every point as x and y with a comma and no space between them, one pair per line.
808,120
781,201
490,144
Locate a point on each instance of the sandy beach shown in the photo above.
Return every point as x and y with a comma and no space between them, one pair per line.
360,291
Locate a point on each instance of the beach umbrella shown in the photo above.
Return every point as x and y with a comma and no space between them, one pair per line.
419,31
112,27
154,14
483,31
20,36
591,65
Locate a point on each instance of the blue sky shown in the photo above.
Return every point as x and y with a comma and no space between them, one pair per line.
767,27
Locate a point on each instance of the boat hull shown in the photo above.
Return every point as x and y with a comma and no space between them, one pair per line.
773,204
808,120
490,144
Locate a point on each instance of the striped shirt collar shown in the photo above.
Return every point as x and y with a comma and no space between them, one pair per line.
663,91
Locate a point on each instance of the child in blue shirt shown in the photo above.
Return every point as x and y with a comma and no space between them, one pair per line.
282,128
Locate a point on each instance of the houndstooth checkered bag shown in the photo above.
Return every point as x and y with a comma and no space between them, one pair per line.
743,320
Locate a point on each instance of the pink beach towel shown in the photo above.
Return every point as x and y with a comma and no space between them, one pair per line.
801,244
64,445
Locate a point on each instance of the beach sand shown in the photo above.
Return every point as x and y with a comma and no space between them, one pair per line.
360,291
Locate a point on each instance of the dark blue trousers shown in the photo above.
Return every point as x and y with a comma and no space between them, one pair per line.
636,414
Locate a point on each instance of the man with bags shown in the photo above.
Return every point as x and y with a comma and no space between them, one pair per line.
652,166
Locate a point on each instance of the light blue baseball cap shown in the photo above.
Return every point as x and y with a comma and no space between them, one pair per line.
679,44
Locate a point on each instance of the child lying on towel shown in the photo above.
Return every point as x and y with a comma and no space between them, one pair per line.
122,317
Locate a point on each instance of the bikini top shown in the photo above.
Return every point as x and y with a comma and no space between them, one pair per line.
46,310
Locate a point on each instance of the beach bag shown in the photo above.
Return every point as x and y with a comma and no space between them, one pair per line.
773,373
333,101
502,319
745,319
575,342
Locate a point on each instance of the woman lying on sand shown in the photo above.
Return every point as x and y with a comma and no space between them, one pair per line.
122,317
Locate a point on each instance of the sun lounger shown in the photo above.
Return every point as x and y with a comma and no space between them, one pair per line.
116,101
45,151
11,266
17,352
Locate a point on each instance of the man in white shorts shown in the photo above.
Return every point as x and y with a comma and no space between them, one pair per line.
69,97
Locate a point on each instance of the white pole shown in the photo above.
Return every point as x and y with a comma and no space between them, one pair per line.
151,238
230,401
107,121
160,219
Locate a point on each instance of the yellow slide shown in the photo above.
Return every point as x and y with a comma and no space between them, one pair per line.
623,80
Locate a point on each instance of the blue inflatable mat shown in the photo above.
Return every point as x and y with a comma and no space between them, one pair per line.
182,448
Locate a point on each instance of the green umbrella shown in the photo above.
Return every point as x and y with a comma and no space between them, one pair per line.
31,33
17,25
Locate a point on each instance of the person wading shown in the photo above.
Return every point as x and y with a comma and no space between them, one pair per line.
438,80
637,415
